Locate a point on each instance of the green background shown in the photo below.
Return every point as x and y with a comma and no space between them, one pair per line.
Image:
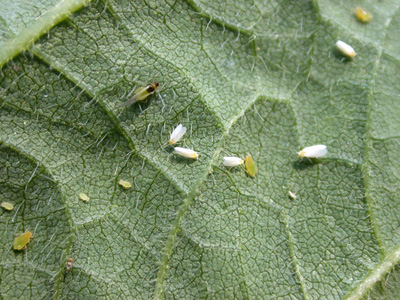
245,77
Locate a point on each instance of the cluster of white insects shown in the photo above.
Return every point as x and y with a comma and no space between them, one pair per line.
179,131
175,137
315,151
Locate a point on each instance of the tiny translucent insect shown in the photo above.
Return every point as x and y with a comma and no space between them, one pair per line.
22,240
177,134
7,205
345,49
250,166
142,93
69,265
232,161
292,195
125,184
84,197
185,152
313,151
362,15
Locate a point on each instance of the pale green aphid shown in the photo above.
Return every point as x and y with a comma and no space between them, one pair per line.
7,205
125,184
84,197
22,240
250,166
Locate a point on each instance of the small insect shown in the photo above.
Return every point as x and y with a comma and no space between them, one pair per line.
362,15
313,151
69,265
292,195
22,240
7,205
142,93
177,134
345,49
250,166
125,184
185,152
232,161
84,197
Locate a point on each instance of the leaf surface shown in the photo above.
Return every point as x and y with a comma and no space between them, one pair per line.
258,78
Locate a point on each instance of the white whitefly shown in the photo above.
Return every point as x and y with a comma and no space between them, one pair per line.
292,195
177,134
232,161
185,152
313,151
345,49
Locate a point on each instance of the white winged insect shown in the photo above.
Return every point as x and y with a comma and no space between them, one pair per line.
313,151
232,161
345,49
185,152
292,195
177,134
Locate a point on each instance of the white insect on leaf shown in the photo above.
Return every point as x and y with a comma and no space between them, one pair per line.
177,134
313,151
345,49
292,195
185,152
232,161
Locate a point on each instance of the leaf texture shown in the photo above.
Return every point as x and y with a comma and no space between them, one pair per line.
245,77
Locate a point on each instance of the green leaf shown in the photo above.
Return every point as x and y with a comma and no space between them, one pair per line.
244,77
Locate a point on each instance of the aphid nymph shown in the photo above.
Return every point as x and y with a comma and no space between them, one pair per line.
7,205
362,15
177,134
313,151
125,184
84,197
345,49
142,93
185,152
250,166
69,265
21,241
232,161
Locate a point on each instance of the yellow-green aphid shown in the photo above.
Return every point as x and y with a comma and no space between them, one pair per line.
22,240
84,197
362,15
142,93
250,166
7,205
125,184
